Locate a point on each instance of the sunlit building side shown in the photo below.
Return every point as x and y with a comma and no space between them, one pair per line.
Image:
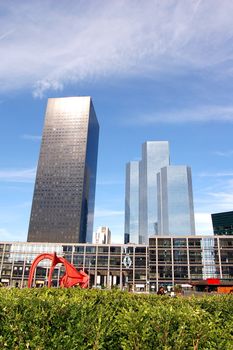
155,155
64,194
175,201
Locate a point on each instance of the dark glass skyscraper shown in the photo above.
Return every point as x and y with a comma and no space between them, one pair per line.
64,194
223,223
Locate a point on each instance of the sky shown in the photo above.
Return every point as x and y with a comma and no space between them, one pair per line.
156,70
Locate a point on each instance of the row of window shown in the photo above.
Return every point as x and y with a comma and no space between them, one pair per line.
192,242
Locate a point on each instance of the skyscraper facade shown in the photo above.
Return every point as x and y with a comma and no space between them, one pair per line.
141,192
175,201
155,155
102,235
132,203
223,223
158,196
64,194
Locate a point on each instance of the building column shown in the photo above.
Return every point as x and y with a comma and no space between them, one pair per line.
157,265
173,277
108,274
220,258
188,261
121,272
24,263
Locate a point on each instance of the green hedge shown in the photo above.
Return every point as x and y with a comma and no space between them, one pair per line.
92,319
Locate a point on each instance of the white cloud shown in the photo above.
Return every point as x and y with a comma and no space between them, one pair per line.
203,223
216,198
45,46
215,202
31,137
43,85
19,175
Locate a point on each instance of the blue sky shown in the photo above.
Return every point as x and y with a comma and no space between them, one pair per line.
156,70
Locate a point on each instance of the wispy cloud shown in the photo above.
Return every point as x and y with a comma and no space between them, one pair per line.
45,46
227,153
99,213
223,199
31,137
42,86
214,197
104,182
216,174
6,235
6,34
192,115
19,175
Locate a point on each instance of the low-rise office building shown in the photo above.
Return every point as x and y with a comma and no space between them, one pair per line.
164,261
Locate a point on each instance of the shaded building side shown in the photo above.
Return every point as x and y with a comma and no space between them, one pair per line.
132,203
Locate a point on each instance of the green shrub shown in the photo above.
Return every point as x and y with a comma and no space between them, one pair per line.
44,319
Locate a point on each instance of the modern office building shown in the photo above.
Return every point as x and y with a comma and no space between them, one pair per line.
64,194
102,235
175,201
132,203
166,261
155,155
158,196
223,223
141,192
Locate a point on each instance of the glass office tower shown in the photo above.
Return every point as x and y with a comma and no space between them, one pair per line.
132,203
223,223
175,201
64,194
155,155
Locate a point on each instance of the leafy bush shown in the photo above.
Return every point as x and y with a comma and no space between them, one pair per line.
44,319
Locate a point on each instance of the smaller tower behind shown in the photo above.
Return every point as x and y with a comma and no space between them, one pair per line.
102,235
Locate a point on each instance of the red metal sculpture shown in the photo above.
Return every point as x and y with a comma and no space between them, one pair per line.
70,278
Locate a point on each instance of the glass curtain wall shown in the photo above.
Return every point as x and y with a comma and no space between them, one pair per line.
132,203
175,201
155,155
